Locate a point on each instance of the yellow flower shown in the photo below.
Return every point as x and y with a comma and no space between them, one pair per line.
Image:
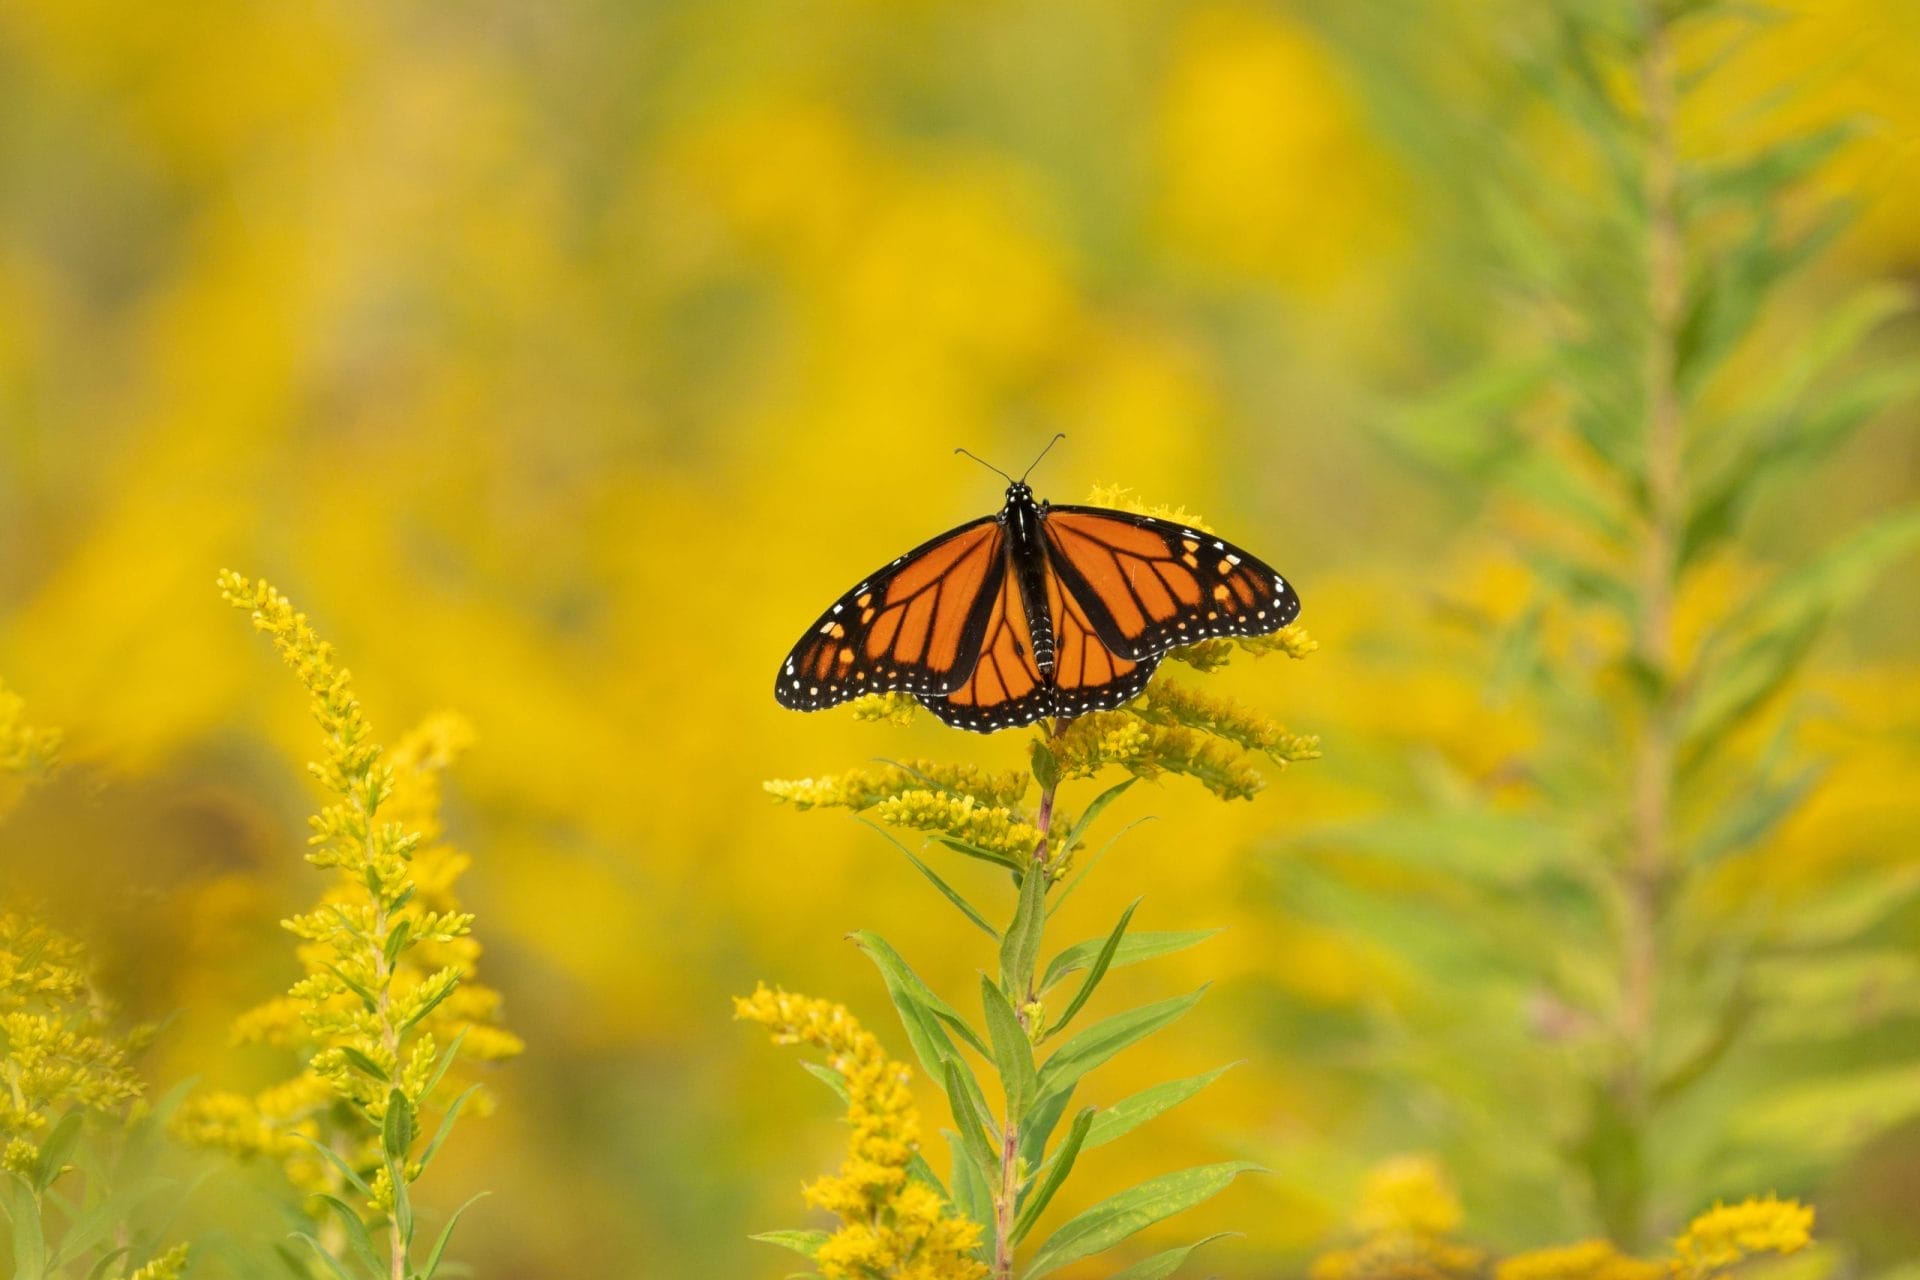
1587,1260
26,753
1399,1257
864,788
890,1226
57,1051
1728,1234
1411,1195
170,1265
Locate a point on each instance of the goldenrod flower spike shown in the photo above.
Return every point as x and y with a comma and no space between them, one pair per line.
1729,1234
388,1000
889,1226
26,753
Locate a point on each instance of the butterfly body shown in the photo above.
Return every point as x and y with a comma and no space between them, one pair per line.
1034,611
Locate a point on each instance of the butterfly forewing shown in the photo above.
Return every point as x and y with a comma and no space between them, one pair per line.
1087,674
917,624
1148,585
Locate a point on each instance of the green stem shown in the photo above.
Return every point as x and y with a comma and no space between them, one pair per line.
1006,1195
1649,863
383,971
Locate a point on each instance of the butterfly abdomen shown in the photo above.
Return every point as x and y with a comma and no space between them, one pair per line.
1027,559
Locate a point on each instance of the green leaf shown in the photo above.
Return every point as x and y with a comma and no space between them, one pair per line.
355,1231
805,1243
1108,1037
947,891
446,1235
1060,1166
1019,949
994,856
831,1078
1095,808
972,1193
362,1063
907,989
1162,1265
446,1126
1101,962
1748,820
1117,1217
1037,1127
105,1264
54,1150
396,1133
340,1166
29,1239
111,1211
333,1264
1134,1110
446,1063
1046,768
1066,890
397,940
971,1123
1012,1051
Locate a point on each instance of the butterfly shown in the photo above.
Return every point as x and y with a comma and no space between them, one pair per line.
1037,610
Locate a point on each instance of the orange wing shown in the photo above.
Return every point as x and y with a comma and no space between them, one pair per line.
915,625
1148,585
1008,688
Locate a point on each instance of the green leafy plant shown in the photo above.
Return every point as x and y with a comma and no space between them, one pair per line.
388,1008
1014,1074
1629,430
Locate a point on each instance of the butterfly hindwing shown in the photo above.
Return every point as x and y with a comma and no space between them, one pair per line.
1148,585
1087,674
916,624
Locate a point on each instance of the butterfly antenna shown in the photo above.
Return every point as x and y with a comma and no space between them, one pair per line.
1058,437
988,465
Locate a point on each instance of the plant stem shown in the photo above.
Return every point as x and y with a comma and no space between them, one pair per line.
1648,865
1007,1193
389,1033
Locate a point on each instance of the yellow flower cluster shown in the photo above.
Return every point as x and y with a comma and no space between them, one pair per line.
1408,1213
1174,730
25,752
890,708
1211,655
170,1265
56,1049
984,826
1728,1234
388,955
864,788
1407,1210
1588,1260
889,1226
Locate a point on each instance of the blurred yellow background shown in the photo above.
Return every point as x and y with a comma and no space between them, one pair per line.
563,360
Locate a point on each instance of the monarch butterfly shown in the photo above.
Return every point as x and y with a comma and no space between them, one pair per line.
1034,611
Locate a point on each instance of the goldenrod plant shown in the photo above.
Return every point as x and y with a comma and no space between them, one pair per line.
388,1009
1406,1225
1605,991
1012,1074
75,1121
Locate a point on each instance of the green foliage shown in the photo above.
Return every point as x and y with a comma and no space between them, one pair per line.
1632,425
1009,1160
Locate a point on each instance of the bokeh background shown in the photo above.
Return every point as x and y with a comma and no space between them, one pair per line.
561,360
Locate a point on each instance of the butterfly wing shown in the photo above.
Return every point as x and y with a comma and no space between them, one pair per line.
916,624
1148,585
1008,688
